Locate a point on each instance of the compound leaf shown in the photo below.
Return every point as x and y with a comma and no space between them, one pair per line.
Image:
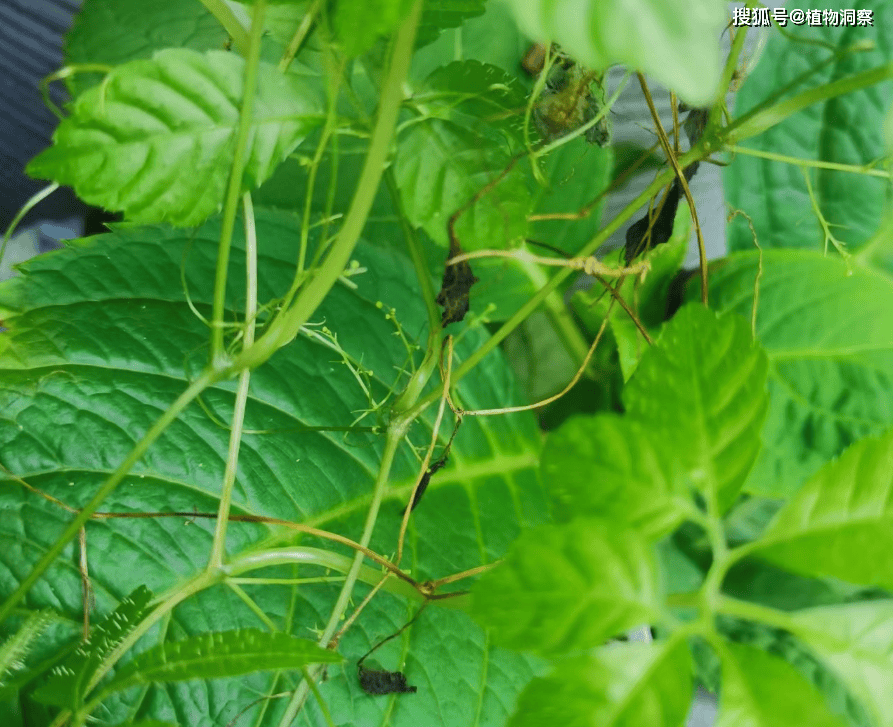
156,139
570,586
626,685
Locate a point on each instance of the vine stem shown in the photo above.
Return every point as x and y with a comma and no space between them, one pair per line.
815,164
227,18
320,281
752,124
533,303
286,327
395,436
218,547
218,357
35,199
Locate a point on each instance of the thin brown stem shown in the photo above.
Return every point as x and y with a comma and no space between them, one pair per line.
549,400
674,162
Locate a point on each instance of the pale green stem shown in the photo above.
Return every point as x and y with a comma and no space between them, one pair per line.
298,38
252,606
234,188
418,258
812,163
752,124
287,324
195,584
218,548
195,388
562,321
35,199
754,612
227,18
323,707
391,443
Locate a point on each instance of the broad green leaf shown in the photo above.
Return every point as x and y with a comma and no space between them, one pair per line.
674,42
840,523
844,130
219,654
569,587
438,15
359,23
702,387
856,641
157,137
628,685
112,32
491,36
615,468
760,690
480,90
101,339
575,173
827,332
441,166
67,683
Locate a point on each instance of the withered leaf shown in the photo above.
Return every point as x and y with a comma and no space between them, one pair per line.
455,289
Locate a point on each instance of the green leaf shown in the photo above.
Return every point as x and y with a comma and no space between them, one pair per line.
826,331
102,339
844,130
68,681
569,587
438,15
665,40
480,90
615,468
856,641
840,523
759,690
488,34
359,23
112,32
628,685
219,654
575,173
703,388
156,139
441,166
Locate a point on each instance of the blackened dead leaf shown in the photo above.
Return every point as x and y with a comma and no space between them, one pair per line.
455,289
636,239
379,681
426,479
